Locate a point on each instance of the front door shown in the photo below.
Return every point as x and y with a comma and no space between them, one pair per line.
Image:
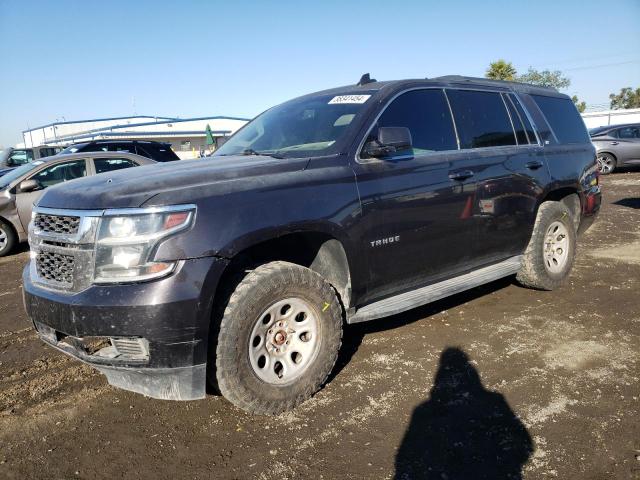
47,177
416,212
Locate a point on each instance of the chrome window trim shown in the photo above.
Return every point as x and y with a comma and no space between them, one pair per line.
534,127
513,127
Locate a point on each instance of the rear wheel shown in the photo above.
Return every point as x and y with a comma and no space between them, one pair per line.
606,163
549,256
279,338
8,238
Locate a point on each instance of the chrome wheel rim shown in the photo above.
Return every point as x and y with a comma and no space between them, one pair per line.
556,247
3,239
605,163
284,341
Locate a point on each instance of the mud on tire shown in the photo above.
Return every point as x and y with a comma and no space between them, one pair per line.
549,257
243,376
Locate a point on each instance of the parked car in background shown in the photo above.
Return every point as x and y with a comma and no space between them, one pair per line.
616,146
347,205
158,151
14,157
24,185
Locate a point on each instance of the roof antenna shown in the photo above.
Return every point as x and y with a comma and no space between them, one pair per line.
364,79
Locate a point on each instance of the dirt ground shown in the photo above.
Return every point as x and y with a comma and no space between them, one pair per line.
499,382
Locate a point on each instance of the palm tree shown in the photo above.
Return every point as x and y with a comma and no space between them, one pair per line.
501,70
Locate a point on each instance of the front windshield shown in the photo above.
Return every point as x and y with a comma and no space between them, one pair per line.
16,173
300,128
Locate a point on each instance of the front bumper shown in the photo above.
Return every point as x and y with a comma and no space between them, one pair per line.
171,316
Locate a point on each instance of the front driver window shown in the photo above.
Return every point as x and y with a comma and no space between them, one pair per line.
62,172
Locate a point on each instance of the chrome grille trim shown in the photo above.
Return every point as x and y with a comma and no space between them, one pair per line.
55,267
78,242
56,224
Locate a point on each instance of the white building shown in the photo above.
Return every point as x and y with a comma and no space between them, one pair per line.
186,135
611,117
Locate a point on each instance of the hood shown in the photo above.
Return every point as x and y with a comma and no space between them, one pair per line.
132,187
4,170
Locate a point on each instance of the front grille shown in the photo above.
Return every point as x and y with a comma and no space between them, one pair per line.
55,267
56,223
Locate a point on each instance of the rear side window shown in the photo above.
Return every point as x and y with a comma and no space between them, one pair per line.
563,118
110,164
481,118
426,114
629,132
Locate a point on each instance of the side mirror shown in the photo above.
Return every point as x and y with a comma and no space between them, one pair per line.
390,140
30,185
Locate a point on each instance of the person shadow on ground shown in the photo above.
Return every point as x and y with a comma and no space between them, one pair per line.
463,431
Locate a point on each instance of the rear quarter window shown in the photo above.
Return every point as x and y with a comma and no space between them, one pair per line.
563,118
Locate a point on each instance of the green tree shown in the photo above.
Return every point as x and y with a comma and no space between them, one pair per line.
581,106
545,78
501,70
627,98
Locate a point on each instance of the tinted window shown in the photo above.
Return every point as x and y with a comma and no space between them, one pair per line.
481,118
525,120
159,153
426,114
110,164
629,132
563,118
62,172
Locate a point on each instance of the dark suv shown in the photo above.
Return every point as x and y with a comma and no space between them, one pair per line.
160,152
346,205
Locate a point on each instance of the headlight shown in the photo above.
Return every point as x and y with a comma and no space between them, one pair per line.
127,242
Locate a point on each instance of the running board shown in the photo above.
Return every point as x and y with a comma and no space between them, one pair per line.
431,293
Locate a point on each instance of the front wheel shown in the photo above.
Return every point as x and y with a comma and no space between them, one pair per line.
279,338
606,163
549,256
8,238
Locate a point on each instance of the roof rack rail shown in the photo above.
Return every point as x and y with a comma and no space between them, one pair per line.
364,79
488,81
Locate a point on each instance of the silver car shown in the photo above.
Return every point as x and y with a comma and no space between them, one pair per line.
616,146
22,186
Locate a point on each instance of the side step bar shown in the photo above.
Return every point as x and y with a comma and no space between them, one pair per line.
431,293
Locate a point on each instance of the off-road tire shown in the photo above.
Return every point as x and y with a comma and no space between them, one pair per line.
8,238
533,273
260,288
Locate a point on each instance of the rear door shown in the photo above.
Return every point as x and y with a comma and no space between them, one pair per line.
509,167
416,213
626,145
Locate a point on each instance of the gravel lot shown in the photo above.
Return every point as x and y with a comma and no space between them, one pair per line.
499,382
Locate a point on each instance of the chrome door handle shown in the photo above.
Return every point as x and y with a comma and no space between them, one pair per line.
463,175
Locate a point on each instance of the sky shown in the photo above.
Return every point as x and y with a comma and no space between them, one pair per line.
71,60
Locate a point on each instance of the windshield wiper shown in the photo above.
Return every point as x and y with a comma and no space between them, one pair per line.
251,151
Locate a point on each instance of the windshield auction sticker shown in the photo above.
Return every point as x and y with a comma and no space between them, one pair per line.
349,99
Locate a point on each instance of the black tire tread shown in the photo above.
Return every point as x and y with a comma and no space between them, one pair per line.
260,279
533,273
